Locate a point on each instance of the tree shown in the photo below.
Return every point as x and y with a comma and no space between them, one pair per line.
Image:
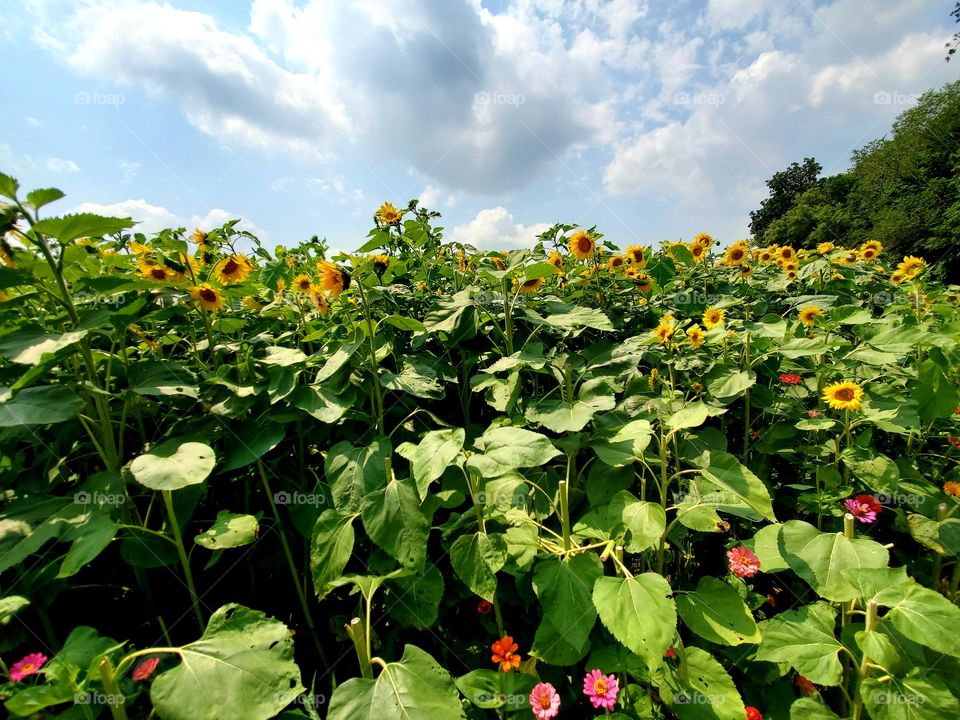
785,187
955,40
819,215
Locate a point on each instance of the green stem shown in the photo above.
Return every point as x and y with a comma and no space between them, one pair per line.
356,633
184,560
664,487
115,699
374,368
507,315
871,625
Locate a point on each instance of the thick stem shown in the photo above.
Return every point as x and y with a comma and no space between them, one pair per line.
356,633
184,560
115,698
871,625
664,487
507,316
374,368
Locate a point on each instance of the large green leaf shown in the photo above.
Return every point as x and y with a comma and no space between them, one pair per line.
716,612
725,471
706,692
809,709
393,520
624,446
330,548
242,667
565,590
925,697
923,615
251,441
42,405
321,403
821,558
415,688
646,521
436,450
689,416
638,612
561,416
476,559
804,638
88,540
230,530
27,347
508,448
414,600
174,464
418,379
353,471
70,227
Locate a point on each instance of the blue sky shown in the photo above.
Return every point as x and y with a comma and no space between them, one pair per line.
651,120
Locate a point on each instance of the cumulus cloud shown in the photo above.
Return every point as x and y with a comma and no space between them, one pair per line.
60,165
154,218
495,229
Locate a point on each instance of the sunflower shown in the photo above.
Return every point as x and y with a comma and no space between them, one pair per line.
792,275
705,239
788,267
867,253
808,315
250,302
501,265
152,270
824,248
380,264
911,267
766,255
896,278
199,236
849,257
845,395
281,286
556,259
644,282
787,253
635,255
581,244
736,253
138,248
632,272
235,268
462,264
874,245
387,214
664,331
207,296
333,279
698,251
302,283
696,336
746,271
319,299
713,317
614,263
528,287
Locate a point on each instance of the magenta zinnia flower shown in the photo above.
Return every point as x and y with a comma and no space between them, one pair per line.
30,665
601,689
743,563
544,701
863,507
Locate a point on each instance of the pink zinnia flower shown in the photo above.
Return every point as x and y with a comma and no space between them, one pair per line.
544,701
145,669
30,665
601,689
790,378
743,563
814,413
863,507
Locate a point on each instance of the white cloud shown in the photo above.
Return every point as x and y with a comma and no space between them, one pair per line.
495,228
336,188
128,171
154,218
433,197
59,165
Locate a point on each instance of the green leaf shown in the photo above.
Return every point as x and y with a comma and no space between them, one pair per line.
43,196
726,472
476,559
417,379
766,546
508,448
43,405
561,416
174,464
353,471
428,460
913,698
416,688
805,639
321,403
162,379
646,521
10,606
923,615
708,693
27,347
8,187
565,590
70,227
414,601
570,317
405,323
251,441
689,416
330,549
283,356
88,541
638,612
32,700
393,520
230,530
809,709
821,558
716,612
730,384
625,446
243,665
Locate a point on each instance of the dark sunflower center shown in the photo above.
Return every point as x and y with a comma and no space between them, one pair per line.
208,295
584,244
736,255
845,394
158,273
231,267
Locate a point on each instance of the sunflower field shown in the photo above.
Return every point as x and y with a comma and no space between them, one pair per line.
421,481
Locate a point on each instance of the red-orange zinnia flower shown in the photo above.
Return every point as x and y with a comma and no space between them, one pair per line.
505,653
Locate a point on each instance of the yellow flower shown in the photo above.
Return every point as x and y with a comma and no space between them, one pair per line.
845,395
896,278
698,250
250,302
528,287
302,283
705,239
766,255
501,265
870,250
207,296
788,266
462,264
849,257
333,279
809,314
792,275
696,336
736,253
654,374
138,248
635,256
556,259
644,282
235,268
787,253
952,488
380,264
388,214
713,317
281,286
199,236
824,248
664,331
319,299
746,271
581,244
911,267
152,270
